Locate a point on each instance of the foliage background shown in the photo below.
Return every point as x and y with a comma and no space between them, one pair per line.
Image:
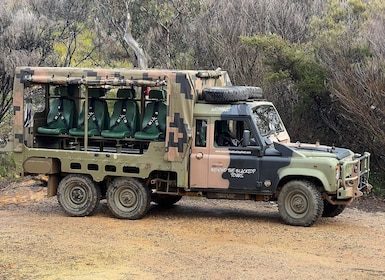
321,62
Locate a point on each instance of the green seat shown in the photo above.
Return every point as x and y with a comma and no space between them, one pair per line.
98,116
154,119
62,115
124,121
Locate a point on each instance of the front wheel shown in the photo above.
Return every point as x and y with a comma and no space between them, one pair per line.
78,195
331,211
127,198
300,203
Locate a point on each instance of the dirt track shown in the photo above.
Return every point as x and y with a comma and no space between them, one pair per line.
197,239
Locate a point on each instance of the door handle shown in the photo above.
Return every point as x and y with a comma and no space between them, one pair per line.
199,155
217,164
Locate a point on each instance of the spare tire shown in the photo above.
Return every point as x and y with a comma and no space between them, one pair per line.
225,94
254,92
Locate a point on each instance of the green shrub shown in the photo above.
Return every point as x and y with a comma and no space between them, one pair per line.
377,179
7,166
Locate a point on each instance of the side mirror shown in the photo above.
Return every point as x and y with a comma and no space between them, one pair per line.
246,138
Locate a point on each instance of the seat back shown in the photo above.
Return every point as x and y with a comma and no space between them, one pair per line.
98,117
124,121
154,119
62,115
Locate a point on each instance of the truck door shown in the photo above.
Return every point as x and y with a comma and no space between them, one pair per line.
232,165
224,163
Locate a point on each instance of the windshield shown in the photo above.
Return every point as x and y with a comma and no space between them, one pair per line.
267,120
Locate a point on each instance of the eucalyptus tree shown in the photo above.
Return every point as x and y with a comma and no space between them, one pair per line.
159,32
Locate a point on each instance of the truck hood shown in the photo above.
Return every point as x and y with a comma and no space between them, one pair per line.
309,150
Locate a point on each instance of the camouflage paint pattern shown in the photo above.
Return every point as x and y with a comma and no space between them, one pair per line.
263,169
239,169
183,90
259,169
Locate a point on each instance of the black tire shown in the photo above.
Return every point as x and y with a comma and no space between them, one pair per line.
331,211
165,200
127,198
78,195
300,203
225,94
254,92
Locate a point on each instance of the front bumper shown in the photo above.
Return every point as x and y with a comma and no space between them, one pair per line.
354,178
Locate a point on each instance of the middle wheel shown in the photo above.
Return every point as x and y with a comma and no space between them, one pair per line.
128,198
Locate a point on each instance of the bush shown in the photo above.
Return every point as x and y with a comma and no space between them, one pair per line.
7,166
377,179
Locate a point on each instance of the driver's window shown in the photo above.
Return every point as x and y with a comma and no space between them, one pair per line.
228,133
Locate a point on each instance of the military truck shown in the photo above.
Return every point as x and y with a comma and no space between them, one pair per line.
134,137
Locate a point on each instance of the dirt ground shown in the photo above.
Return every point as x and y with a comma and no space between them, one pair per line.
196,239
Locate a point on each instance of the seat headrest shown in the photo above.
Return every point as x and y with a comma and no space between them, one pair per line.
159,94
125,93
96,92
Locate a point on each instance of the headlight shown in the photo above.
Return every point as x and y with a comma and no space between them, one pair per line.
338,172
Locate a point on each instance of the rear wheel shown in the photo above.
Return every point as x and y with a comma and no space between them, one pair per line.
300,203
331,210
78,195
127,198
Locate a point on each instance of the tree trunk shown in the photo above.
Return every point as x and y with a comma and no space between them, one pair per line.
141,56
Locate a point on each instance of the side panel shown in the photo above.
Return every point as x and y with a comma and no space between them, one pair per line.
330,185
102,164
199,162
270,167
219,164
231,165
234,168
41,165
181,100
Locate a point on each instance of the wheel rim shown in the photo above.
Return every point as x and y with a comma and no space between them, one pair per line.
297,204
76,195
126,198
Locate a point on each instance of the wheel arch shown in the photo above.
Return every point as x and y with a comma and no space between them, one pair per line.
162,173
108,179
318,181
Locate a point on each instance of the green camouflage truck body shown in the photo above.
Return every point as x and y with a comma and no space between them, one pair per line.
260,166
172,154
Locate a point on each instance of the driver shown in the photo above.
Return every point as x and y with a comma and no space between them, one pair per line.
223,136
